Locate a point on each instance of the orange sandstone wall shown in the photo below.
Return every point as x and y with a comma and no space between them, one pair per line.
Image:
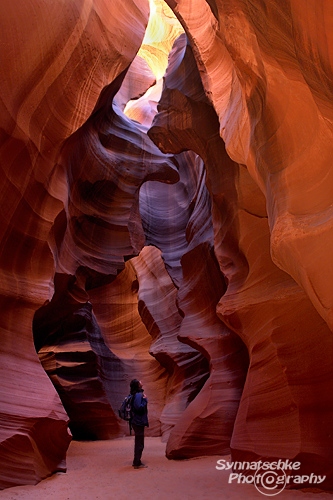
55,59
182,236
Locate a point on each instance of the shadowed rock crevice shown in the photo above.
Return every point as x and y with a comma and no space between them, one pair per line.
73,353
177,230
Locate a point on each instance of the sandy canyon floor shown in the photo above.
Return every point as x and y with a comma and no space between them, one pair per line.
102,470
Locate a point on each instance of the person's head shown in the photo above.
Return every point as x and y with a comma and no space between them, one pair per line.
135,386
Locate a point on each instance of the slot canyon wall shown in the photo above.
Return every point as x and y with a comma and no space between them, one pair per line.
174,229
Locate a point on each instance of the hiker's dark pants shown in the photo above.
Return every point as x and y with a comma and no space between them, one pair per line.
139,443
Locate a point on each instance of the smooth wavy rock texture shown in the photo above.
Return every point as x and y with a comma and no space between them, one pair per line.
267,69
55,58
175,230
278,414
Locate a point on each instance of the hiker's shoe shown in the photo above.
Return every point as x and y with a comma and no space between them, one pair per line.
141,466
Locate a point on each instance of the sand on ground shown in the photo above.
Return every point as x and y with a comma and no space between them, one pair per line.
102,470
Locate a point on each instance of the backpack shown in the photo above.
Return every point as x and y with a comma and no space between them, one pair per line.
125,411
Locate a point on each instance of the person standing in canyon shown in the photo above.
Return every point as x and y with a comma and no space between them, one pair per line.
139,421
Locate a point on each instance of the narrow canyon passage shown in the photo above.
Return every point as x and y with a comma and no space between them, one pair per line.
166,215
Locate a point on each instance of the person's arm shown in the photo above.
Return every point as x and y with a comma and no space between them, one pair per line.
140,403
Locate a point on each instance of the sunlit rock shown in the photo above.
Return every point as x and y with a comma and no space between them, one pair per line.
56,58
279,413
197,258
266,69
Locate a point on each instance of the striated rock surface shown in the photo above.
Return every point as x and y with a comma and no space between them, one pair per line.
106,161
186,368
184,234
125,334
279,412
73,354
196,256
55,61
268,71
166,213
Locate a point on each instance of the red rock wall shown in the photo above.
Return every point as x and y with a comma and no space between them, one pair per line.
195,256
267,207
267,70
55,60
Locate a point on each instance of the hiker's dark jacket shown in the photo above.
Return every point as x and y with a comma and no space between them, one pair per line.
140,410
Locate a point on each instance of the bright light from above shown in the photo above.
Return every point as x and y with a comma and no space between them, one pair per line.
162,30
